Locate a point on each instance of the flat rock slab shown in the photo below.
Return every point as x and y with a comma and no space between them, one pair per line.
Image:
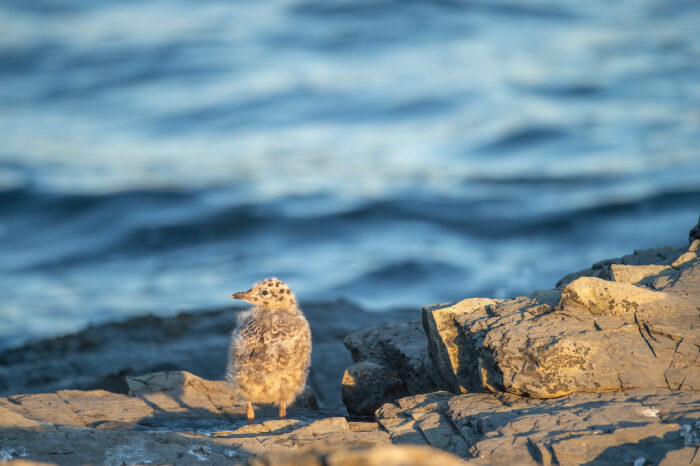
612,428
192,422
168,417
179,418
593,335
407,455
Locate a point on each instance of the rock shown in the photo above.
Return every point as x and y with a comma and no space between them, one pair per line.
324,426
168,418
306,399
192,392
390,361
445,338
656,256
369,384
11,419
363,426
687,455
102,356
602,297
407,455
634,273
610,428
402,346
694,232
21,462
593,335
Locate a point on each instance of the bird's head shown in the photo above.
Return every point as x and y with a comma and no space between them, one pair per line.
270,293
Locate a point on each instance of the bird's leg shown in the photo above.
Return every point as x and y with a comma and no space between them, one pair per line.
283,410
250,413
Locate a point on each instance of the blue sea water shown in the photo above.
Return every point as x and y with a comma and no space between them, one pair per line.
156,156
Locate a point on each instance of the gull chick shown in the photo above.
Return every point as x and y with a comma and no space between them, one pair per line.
270,351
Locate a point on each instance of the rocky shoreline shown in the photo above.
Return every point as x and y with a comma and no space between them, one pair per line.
602,369
102,356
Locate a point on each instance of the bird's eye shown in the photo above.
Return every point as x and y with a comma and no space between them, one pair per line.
264,293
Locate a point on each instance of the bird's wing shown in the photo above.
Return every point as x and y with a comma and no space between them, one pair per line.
247,339
290,342
281,337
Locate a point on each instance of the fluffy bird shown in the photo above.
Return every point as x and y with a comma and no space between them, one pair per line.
270,351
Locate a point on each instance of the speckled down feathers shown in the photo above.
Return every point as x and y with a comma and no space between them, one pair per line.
270,351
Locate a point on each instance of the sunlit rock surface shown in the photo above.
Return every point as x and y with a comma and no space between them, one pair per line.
608,428
179,418
405,455
591,335
602,369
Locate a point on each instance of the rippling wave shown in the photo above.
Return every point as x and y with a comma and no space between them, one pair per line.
157,156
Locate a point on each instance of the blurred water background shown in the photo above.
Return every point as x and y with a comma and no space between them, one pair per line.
156,156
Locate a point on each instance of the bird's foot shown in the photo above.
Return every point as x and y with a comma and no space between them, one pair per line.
250,414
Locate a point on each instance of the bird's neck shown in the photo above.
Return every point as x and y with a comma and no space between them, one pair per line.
264,310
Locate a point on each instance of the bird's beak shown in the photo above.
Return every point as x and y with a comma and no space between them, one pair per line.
241,295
